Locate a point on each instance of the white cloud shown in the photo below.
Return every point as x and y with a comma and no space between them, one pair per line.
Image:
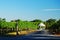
51,9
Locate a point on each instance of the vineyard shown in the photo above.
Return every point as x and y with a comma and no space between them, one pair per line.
52,25
22,25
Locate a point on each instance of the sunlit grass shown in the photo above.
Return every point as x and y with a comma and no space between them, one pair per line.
21,32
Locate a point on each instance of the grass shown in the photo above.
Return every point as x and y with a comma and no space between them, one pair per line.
21,32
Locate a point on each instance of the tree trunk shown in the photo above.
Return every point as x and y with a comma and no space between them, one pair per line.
16,28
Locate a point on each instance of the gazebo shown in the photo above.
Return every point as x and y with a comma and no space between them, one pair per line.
41,26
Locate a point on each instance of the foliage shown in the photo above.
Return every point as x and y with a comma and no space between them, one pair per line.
36,20
55,27
21,24
25,24
50,22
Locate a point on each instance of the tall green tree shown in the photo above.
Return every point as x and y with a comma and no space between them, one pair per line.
55,27
50,22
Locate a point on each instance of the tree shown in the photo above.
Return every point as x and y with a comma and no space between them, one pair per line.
36,20
17,26
0,22
4,19
55,27
58,25
50,22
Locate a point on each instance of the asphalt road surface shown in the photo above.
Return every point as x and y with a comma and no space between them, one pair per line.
41,35
38,35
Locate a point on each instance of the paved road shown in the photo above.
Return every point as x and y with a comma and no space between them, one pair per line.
38,35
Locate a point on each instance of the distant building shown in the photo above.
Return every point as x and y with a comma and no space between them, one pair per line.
41,26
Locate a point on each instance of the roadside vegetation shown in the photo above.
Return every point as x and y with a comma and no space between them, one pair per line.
16,25
52,25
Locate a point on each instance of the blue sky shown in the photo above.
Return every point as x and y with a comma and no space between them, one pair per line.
29,9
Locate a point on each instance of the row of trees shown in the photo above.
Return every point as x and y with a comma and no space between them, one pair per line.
5,24
21,24
51,24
